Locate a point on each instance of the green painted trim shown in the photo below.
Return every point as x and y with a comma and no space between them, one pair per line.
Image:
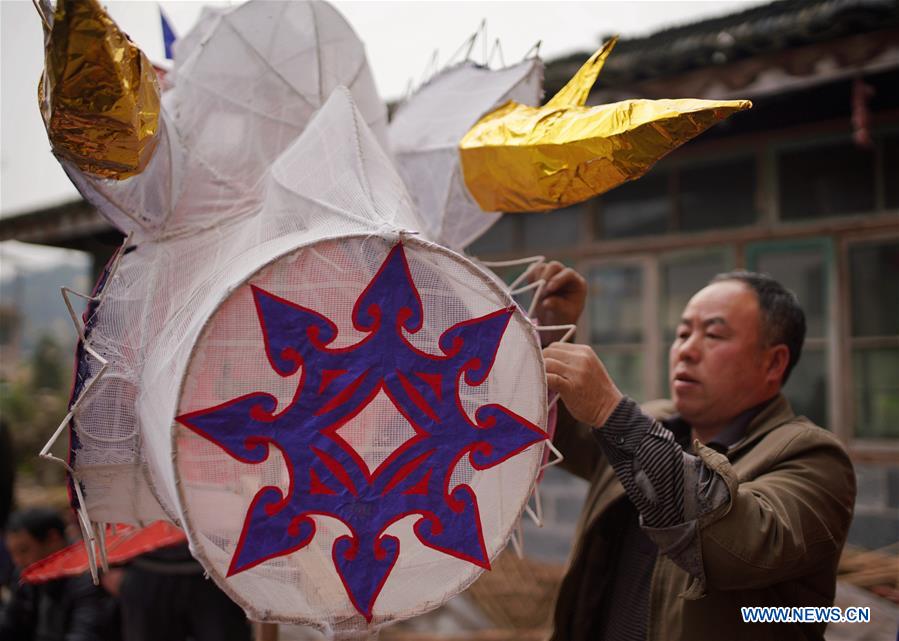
823,243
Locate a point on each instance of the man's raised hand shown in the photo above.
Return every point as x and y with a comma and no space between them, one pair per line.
563,296
577,374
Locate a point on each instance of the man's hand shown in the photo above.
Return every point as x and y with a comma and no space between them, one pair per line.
563,296
577,374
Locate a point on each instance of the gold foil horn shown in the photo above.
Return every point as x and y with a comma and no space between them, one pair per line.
577,90
98,95
520,158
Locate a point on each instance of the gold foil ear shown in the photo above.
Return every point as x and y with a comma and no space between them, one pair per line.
98,95
576,90
521,158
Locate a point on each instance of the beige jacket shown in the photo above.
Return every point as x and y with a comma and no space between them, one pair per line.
775,542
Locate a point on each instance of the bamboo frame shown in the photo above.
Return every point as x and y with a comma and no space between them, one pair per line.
93,534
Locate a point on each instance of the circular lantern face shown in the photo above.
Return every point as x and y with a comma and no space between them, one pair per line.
358,430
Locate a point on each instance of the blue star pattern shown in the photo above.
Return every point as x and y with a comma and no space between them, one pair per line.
327,476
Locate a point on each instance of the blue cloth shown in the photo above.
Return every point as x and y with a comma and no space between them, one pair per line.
168,35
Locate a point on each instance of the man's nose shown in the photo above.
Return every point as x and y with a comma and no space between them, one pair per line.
688,349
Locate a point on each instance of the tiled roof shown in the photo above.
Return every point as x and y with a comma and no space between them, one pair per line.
726,39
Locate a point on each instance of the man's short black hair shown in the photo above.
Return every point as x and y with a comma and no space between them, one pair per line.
37,521
783,321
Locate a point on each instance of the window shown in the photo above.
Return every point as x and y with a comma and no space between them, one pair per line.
848,376
713,194
805,268
637,208
717,195
521,232
891,170
499,238
874,327
559,229
616,323
876,392
825,180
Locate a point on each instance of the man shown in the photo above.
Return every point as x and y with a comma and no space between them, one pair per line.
720,499
67,609
164,595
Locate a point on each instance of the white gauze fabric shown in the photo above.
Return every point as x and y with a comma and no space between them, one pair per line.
267,178
245,75
425,134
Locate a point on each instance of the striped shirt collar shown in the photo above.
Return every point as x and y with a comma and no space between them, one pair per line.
732,432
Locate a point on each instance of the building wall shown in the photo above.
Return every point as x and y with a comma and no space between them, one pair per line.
803,203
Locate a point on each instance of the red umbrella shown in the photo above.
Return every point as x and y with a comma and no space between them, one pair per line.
122,545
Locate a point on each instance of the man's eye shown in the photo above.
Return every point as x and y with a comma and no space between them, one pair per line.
714,336
683,335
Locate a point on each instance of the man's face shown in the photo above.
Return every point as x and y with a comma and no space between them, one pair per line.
718,364
25,549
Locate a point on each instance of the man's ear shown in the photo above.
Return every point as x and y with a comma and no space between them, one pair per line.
779,358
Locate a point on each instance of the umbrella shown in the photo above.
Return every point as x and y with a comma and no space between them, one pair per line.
123,543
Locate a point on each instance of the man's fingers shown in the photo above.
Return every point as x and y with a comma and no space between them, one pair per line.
546,271
565,279
575,361
557,383
561,367
557,352
551,302
577,373
556,364
567,351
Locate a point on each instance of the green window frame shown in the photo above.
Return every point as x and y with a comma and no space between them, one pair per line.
871,357
817,397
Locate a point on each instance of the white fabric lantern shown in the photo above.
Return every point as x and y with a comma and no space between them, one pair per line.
425,134
283,360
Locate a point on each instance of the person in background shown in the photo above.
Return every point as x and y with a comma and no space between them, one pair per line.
65,609
7,482
718,499
164,595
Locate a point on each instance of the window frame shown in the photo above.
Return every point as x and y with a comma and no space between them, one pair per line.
753,251
866,448
672,168
649,346
841,232
804,143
